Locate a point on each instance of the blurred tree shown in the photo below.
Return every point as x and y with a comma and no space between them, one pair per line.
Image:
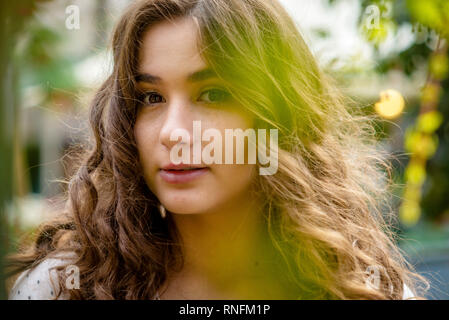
5,136
427,136
13,16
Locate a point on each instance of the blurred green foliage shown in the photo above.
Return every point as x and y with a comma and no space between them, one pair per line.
14,16
40,62
426,123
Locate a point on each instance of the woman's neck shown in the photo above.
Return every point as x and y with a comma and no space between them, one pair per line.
224,239
225,251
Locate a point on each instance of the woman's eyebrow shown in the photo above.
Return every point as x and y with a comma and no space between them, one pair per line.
202,75
196,76
146,77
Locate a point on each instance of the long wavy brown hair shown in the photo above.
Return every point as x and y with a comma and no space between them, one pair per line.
326,208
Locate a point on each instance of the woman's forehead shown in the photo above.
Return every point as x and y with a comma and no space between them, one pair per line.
170,49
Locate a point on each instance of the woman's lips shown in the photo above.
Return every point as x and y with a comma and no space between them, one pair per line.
182,176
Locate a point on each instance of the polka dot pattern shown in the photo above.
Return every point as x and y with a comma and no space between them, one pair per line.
39,283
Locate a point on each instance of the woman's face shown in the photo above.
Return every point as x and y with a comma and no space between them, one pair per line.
179,89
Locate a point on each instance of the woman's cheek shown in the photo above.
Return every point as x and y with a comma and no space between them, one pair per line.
236,178
145,140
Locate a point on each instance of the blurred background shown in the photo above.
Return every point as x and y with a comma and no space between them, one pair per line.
391,57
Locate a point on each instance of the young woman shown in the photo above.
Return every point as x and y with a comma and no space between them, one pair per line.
138,226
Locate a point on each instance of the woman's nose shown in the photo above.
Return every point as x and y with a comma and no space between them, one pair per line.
176,121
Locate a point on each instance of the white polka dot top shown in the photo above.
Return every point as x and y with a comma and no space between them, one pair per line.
40,283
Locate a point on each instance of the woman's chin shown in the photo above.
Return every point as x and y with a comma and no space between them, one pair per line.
190,205
184,209
195,199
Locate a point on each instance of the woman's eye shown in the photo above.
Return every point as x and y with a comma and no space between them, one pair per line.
152,98
215,96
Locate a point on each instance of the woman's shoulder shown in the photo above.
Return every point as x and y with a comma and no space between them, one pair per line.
41,282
